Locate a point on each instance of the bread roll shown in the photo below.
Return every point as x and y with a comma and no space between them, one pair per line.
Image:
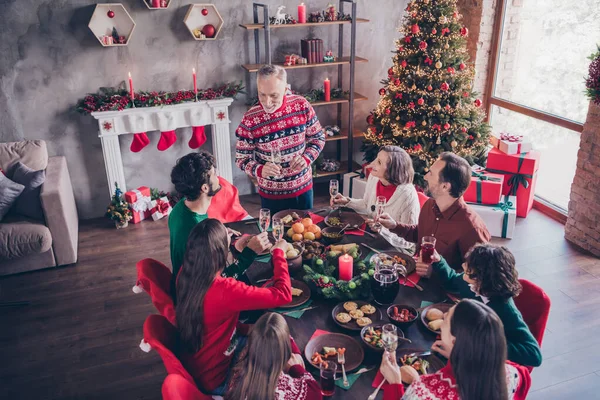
436,325
408,373
433,314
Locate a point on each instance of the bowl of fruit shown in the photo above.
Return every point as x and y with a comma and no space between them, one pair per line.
304,229
402,315
293,255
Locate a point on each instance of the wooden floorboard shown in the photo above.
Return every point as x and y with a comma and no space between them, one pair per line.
79,337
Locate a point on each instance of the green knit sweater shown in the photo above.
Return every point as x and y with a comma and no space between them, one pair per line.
522,347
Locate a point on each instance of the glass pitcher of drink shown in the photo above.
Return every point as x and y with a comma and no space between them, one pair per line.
384,285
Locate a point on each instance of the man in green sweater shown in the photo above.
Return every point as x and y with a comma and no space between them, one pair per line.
195,178
490,276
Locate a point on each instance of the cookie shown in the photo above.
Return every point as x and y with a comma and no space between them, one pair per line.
356,314
343,318
364,321
368,309
350,305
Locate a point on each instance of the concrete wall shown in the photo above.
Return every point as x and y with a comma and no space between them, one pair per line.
50,59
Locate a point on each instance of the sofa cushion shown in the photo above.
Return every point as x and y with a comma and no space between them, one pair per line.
29,203
20,237
9,192
32,153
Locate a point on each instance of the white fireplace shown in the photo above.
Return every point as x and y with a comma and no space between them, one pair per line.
166,118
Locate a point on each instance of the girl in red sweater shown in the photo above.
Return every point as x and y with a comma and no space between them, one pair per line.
209,305
276,373
477,368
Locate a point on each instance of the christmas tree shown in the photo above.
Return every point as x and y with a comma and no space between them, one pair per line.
427,105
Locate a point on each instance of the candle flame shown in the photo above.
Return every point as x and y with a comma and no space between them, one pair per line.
129,73
193,70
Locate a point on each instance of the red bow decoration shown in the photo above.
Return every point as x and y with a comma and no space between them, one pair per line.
162,206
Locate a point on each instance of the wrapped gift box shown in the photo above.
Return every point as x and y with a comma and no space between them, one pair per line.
510,144
354,186
366,170
139,203
485,188
499,218
160,208
520,176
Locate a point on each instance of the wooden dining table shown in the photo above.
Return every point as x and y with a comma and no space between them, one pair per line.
303,328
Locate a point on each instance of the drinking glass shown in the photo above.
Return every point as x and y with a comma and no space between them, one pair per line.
276,158
380,203
427,249
328,370
384,285
334,188
264,219
389,337
277,229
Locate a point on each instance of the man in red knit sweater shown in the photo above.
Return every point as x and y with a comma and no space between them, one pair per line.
287,123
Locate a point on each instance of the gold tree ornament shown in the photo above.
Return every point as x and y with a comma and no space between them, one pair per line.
424,123
453,143
439,140
438,65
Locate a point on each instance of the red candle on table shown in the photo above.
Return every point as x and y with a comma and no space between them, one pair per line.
130,87
195,83
345,266
327,89
301,13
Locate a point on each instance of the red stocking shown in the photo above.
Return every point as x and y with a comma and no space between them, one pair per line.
166,140
198,137
140,140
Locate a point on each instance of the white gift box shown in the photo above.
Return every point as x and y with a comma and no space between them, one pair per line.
354,186
510,144
499,218
157,213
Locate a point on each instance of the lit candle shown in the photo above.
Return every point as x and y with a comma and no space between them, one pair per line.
301,13
195,83
130,87
345,266
327,89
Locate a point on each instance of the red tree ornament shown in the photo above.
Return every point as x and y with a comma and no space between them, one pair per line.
382,91
397,82
411,105
444,86
370,119
451,70
388,111
430,88
415,29
433,31
209,31
407,39
110,14
423,45
477,103
420,101
398,96
205,11
403,64
462,66
464,31
391,71
446,126
465,94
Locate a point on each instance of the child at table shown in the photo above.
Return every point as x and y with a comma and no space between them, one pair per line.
490,276
269,367
209,305
477,368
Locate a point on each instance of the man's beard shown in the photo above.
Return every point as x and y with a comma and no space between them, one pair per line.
212,192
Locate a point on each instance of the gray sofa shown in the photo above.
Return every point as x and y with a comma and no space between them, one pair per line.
27,244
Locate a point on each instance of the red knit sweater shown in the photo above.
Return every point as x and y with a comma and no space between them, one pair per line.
442,385
222,305
295,129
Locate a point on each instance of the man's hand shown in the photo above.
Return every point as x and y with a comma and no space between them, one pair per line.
270,170
423,269
298,163
339,200
259,243
385,220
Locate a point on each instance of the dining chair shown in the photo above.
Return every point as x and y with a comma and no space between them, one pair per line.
422,198
534,305
154,278
176,387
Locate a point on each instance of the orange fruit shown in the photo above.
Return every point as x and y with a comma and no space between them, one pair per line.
309,236
307,222
298,227
297,237
314,229
290,232
318,235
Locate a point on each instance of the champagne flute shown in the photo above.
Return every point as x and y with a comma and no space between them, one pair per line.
334,187
276,158
277,229
389,337
380,203
264,219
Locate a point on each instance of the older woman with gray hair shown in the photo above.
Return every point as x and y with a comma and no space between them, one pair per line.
391,177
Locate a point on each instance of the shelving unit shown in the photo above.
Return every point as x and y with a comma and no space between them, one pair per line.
350,60
195,20
149,3
101,24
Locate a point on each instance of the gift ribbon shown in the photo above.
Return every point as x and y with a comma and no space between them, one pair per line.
505,206
481,177
143,203
161,206
517,178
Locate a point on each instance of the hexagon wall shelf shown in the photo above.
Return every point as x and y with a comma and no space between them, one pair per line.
196,21
102,25
157,4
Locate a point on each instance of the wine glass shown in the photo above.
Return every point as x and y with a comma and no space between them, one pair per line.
380,203
276,157
389,337
264,219
277,229
334,188
427,249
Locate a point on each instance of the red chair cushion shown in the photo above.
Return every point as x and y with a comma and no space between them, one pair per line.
534,305
176,387
422,198
155,278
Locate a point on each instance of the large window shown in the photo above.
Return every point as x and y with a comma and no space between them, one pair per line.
538,69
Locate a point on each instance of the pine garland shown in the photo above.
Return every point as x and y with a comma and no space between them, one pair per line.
592,83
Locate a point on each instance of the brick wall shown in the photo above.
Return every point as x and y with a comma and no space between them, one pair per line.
471,11
583,223
484,46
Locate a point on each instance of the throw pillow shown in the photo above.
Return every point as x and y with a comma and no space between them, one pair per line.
9,192
29,203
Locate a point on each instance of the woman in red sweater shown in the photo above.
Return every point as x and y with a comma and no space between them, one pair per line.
274,374
209,305
477,368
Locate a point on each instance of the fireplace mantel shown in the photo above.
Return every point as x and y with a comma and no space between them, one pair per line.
145,119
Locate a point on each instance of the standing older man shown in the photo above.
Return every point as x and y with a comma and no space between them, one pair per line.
287,123
445,216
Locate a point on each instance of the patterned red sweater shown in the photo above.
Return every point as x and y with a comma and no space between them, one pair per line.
295,129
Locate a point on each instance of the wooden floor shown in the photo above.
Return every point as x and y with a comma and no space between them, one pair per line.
79,337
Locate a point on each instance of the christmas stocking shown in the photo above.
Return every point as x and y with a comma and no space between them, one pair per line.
198,137
166,140
140,140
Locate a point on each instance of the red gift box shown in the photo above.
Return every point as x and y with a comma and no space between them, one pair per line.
366,169
140,203
520,176
485,188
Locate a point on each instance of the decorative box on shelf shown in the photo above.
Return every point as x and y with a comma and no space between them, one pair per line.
354,185
500,219
157,4
203,21
112,25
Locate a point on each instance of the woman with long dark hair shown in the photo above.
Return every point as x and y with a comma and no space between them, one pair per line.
274,374
209,305
490,276
477,367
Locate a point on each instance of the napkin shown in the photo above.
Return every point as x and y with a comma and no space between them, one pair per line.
425,304
293,312
413,277
316,218
356,232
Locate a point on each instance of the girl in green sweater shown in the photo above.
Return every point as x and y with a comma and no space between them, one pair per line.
491,277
